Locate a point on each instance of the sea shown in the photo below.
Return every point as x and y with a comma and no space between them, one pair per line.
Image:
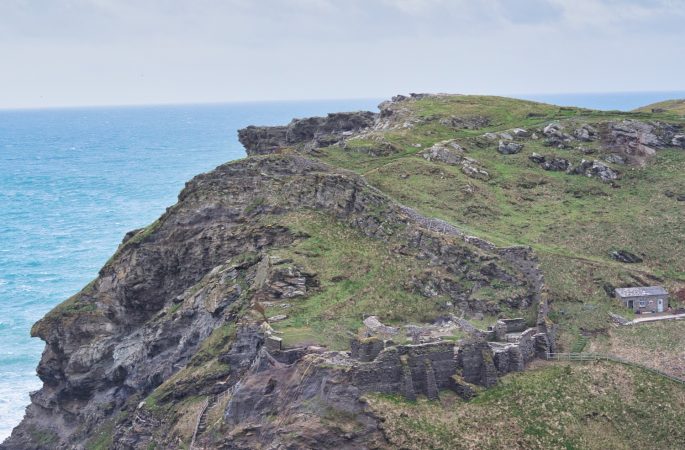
73,181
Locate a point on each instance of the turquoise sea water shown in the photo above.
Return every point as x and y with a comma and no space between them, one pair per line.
73,181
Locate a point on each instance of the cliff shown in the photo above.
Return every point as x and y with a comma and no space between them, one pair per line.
228,322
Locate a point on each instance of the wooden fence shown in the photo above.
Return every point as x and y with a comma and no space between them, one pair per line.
604,357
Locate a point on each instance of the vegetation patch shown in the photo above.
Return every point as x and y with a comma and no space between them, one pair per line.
589,406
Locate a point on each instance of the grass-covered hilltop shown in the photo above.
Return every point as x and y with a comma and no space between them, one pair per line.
390,280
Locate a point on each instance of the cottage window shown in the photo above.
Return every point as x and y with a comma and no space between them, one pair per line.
643,303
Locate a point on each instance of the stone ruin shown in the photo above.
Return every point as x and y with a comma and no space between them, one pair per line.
423,369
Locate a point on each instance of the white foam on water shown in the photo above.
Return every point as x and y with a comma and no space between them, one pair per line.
14,398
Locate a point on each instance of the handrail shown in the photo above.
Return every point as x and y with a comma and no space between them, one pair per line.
605,357
198,421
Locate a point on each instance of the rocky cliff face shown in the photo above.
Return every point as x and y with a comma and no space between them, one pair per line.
177,343
305,134
171,306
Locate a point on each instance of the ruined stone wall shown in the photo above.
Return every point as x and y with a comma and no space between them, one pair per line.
408,369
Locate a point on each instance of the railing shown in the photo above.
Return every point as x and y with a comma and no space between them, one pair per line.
205,405
604,357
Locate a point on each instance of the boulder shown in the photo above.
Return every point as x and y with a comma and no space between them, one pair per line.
615,159
556,164
448,152
603,172
593,169
625,256
678,140
520,133
470,168
509,148
553,129
555,137
585,133
537,158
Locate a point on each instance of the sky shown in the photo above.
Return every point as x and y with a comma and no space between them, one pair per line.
108,52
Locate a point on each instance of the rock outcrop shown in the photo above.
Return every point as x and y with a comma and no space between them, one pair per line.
509,148
637,141
306,133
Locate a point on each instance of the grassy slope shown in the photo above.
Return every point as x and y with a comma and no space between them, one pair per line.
359,277
573,222
660,345
672,106
589,406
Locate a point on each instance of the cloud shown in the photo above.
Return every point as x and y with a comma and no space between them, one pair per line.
100,51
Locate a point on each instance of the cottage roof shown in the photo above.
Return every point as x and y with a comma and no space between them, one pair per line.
640,291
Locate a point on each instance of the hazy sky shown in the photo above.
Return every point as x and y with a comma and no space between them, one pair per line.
89,52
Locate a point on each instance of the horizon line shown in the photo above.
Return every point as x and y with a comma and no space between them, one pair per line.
520,96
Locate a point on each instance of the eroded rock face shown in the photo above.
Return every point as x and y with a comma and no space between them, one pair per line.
306,133
637,141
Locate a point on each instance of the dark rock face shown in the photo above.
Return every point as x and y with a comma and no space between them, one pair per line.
306,133
625,256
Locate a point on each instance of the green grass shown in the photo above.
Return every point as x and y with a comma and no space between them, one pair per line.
572,222
670,106
358,277
590,406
